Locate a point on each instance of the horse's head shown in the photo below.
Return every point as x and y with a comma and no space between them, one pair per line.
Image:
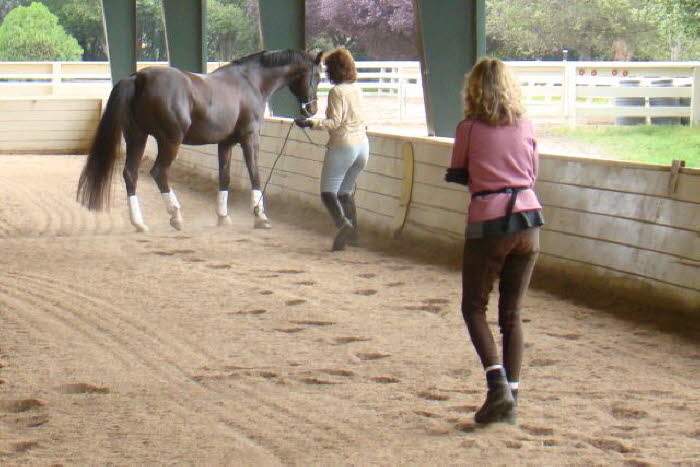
305,84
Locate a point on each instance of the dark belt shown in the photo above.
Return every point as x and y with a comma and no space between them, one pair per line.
511,201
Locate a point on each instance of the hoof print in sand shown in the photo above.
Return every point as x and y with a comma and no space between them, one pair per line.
266,292
543,362
464,408
33,421
621,412
295,302
365,292
459,372
436,301
313,322
428,308
367,275
372,355
163,253
350,339
305,283
395,284
257,311
318,381
433,396
568,337
290,271
219,266
538,430
343,373
83,388
290,330
22,405
609,445
425,413
466,427
23,446
385,380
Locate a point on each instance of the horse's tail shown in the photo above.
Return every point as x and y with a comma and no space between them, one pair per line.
96,179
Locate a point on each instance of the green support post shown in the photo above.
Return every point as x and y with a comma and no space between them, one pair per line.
119,19
186,34
282,24
451,37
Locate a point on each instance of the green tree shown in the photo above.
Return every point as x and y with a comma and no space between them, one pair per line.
677,24
593,29
82,19
230,30
33,33
150,31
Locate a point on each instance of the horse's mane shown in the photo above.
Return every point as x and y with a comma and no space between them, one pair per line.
273,58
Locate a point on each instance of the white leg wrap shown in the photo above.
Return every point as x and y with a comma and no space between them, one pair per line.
256,201
171,202
135,211
222,203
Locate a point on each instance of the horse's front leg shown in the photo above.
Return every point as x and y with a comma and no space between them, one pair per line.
251,145
224,181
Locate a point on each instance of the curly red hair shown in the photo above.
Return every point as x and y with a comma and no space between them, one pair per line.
340,66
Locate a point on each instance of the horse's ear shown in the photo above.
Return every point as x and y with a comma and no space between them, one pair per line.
318,58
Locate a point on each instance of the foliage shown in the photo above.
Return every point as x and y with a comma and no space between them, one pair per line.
368,28
33,33
678,29
230,31
83,20
651,144
150,31
591,29
384,29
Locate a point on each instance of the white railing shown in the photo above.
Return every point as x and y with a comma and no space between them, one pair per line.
560,92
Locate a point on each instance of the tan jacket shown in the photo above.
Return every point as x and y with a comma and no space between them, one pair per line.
344,121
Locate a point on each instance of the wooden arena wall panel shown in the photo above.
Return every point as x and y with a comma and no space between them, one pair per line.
48,125
628,228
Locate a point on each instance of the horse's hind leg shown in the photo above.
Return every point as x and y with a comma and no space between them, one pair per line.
224,180
167,151
135,145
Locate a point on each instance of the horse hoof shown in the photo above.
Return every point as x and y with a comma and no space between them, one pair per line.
176,223
224,220
141,227
262,224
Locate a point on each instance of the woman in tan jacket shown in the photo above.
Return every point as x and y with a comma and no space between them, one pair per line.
348,146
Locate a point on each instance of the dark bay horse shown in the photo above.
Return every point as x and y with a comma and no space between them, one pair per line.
175,107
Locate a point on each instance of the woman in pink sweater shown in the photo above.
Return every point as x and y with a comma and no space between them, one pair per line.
495,154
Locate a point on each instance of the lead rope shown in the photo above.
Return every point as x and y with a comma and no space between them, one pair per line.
272,169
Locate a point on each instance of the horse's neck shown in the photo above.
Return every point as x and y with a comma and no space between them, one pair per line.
273,78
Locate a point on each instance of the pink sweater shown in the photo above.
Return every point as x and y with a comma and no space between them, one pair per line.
497,157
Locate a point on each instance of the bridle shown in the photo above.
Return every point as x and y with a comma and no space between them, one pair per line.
305,105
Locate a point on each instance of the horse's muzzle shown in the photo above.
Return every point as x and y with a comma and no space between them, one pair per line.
309,109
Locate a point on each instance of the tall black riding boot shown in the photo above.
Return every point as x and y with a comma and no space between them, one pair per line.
347,200
345,228
499,399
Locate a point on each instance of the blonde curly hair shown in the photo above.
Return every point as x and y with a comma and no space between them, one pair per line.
491,94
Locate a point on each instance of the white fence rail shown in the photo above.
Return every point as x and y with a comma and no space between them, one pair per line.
560,92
